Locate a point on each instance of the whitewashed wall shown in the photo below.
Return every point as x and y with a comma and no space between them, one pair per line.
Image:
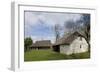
74,47
64,49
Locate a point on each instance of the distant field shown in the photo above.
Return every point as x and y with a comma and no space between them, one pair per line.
43,55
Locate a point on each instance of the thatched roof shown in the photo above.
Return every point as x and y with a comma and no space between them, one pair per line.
42,43
68,39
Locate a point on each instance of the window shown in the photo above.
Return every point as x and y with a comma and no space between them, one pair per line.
80,38
80,46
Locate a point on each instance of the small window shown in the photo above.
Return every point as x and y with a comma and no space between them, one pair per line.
81,38
80,46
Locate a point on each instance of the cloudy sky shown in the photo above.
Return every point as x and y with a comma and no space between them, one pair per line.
40,25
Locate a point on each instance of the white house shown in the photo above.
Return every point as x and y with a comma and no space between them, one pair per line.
75,43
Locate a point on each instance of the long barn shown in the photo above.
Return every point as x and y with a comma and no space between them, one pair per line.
43,44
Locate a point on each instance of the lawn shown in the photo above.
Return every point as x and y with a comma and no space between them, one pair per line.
43,55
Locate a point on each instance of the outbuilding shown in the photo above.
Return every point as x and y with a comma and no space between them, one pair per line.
43,44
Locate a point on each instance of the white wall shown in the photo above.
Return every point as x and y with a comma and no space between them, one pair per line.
75,45
5,27
65,49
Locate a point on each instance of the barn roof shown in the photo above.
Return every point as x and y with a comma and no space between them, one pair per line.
42,43
68,39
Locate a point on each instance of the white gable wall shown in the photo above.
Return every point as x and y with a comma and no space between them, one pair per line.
77,46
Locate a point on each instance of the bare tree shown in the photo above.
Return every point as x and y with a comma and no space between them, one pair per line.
85,19
57,31
82,25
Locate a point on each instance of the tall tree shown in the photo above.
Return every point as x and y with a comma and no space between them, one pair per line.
86,28
57,31
82,25
27,43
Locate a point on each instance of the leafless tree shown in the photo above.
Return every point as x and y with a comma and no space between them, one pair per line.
57,31
85,19
82,25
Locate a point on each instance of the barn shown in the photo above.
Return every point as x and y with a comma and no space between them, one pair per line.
43,44
74,43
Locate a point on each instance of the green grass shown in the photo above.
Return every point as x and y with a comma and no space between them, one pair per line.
43,55
81,55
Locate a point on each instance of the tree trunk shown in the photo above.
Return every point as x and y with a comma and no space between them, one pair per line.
88,44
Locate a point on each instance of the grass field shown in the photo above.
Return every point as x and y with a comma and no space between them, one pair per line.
43,55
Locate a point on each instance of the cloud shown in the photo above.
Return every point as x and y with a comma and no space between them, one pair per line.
42,22
30,18
60,18
50,19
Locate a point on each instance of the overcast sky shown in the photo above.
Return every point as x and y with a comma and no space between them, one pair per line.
39,25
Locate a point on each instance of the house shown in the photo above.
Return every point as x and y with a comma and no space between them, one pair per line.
74,43
43,44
